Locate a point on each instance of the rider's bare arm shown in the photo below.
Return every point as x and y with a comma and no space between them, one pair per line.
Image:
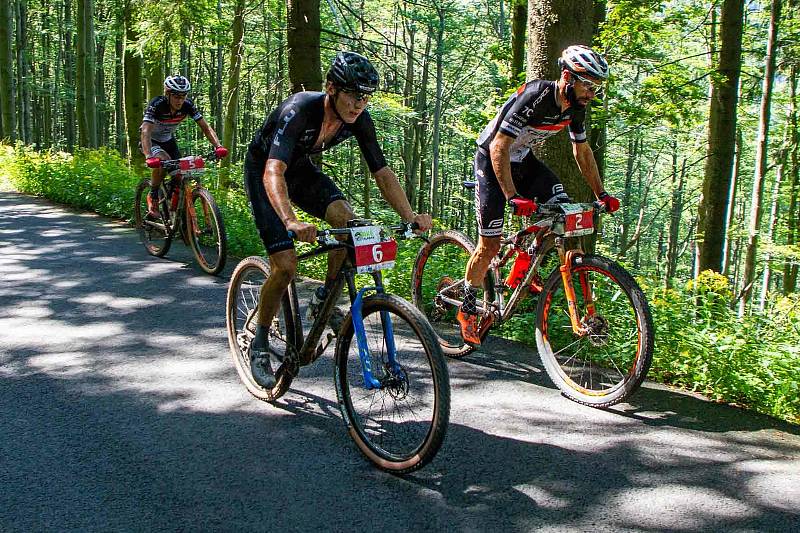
275,185
588,166
147,132
499,153
393,193
209,132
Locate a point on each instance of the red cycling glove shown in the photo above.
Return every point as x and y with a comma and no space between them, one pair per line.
153,162
610,202
522,207
221,152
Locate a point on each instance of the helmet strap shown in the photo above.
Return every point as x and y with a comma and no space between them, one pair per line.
569,92
333,103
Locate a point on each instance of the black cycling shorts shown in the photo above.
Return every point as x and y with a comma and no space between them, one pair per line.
170,146
532,178
309,189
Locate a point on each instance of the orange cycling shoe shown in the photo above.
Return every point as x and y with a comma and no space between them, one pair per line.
470,328
152,207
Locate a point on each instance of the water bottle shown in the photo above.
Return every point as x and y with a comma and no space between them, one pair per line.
519,269
317,297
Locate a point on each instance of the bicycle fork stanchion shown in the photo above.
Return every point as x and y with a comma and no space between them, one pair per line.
569,291
361,338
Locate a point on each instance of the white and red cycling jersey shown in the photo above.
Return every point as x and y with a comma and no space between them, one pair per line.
531,115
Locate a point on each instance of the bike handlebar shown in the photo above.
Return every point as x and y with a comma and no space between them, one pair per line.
175,164
403,230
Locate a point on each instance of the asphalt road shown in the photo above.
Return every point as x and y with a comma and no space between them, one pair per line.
120,409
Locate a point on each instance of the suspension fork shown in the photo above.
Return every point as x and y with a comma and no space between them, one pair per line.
566,257
370,382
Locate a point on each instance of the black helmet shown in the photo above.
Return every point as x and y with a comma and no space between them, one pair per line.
353,72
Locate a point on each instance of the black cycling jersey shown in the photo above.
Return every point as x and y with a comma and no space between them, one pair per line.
158,112
292,129
531,115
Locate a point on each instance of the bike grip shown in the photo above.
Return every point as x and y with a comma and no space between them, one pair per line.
291,234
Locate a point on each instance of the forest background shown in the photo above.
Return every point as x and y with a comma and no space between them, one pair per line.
697,134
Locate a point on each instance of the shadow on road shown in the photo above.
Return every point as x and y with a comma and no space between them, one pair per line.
119,409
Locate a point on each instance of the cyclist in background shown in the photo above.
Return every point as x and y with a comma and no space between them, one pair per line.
161,118
507,172
279,172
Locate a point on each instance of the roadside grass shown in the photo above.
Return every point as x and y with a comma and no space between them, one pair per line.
701,345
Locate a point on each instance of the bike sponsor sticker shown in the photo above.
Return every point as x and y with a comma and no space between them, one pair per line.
577,221
373,250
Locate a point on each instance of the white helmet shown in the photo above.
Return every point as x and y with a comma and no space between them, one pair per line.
582,60
178,84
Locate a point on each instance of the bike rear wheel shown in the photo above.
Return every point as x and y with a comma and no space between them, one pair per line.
400,424
241,312
155,233
207,233
439,270
607,363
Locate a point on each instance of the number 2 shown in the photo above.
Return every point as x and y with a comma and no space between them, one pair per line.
578,219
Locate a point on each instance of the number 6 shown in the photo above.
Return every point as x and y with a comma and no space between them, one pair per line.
377,253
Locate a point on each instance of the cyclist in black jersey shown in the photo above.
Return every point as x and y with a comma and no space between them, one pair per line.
161,118
278,172
507,172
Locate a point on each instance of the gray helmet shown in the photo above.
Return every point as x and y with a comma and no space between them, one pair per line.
353,72
178,84
583,61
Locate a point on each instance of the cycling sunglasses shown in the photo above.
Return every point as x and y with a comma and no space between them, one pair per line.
594,86
179,95
358,96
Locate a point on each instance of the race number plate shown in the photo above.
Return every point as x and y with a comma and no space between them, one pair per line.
374,251
190,163
578,221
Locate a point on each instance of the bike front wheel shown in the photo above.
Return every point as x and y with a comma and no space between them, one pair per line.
206,232
608,360
438,287
241,312
399,419
154,232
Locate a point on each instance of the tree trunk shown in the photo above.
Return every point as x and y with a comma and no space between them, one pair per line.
409,127
420,137
70,88
519,22
761,160
8,114
790,268
771,223
85,74
435,193
552,26
678,181
713,206
47,85
232,93
24,118
119,107
737,167
303,42
133,94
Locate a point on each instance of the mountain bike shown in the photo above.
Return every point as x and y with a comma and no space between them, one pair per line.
593,327
187,209
390,375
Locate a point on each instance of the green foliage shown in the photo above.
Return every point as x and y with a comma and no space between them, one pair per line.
702,345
